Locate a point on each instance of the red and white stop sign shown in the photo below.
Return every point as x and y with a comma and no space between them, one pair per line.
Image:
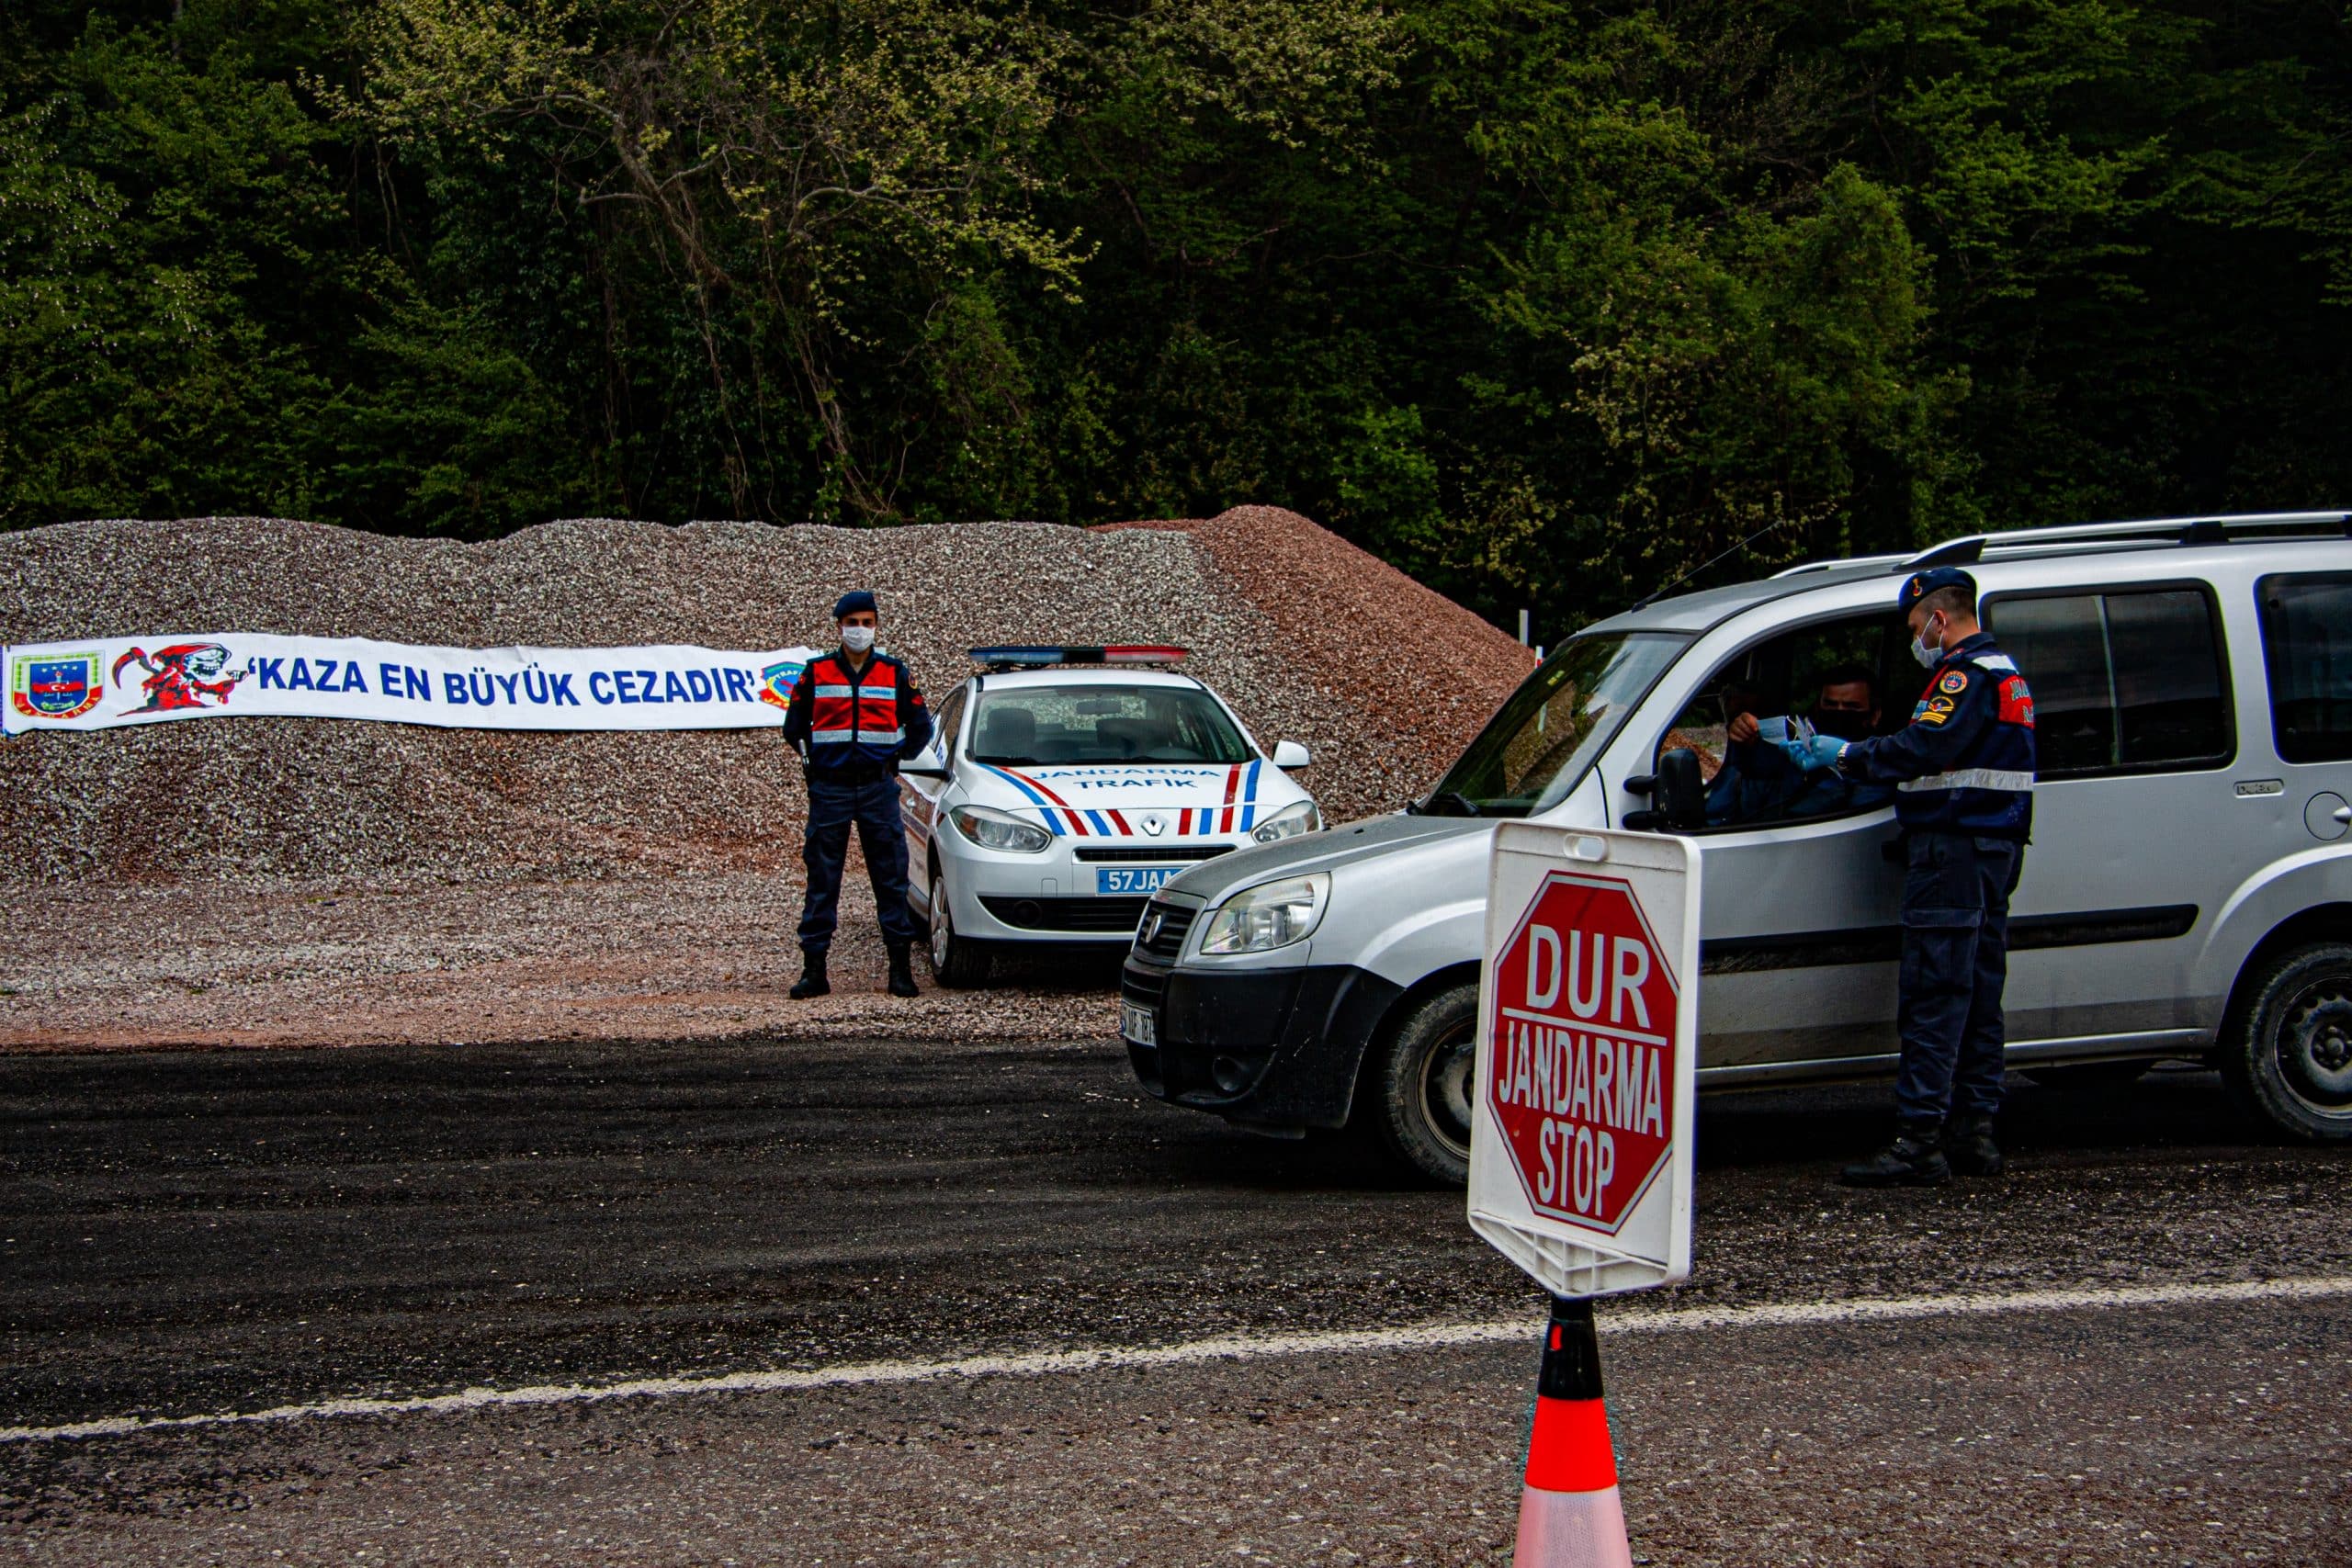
1580,1060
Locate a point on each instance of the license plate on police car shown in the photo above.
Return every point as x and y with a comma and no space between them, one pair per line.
1135,1023
1133,879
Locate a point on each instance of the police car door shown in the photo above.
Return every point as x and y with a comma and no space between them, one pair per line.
923,799
1800,915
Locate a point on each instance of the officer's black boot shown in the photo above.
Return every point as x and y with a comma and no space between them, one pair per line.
1968,1143
812,981
903,973
1912,1160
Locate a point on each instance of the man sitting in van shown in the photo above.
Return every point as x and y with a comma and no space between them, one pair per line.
1761,780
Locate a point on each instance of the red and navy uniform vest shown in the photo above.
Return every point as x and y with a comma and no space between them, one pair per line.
1964,763
856,722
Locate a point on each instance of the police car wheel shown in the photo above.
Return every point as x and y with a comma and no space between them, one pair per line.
1422,1086
2289,1057
956,960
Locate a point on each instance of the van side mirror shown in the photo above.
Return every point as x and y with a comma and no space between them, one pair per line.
1679,791
1291,755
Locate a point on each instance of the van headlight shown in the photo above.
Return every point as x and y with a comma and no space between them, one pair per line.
1271,915
1300,818
999,829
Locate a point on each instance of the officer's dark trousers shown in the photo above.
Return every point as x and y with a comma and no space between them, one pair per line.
872,805
1955,960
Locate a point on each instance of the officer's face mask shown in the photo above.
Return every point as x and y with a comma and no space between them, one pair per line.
857,640
1929,654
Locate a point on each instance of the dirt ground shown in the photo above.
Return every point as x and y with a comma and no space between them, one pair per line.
689,956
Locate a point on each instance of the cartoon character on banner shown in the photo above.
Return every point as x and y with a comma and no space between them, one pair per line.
777,681
182,676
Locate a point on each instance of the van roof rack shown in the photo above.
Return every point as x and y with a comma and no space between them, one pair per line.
2210,530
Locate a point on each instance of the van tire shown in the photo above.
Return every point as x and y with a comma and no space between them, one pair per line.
2288,1055
1422,1093
958,961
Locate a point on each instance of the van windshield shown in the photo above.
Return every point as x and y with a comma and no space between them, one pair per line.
1535,749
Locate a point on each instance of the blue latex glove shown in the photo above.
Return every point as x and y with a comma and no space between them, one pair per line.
1814,751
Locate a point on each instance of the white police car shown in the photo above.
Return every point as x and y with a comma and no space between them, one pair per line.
1065,784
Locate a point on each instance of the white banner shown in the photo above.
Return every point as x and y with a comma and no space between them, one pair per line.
100,683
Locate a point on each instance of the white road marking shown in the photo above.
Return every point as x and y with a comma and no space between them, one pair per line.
1420,1337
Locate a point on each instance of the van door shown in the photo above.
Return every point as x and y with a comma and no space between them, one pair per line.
2137,829
1800,929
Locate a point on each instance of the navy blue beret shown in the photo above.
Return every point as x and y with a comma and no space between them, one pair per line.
1920,584
856,599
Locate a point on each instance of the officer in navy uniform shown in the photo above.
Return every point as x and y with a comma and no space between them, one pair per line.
855,714
1964,772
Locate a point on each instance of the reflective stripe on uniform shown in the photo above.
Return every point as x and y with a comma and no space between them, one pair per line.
879,736
833,691
872,694
1972,778
2000,663
829,737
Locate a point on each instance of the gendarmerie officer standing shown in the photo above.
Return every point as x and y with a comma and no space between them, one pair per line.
1964,772
854,714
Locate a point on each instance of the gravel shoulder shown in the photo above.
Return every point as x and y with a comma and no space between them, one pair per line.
689,956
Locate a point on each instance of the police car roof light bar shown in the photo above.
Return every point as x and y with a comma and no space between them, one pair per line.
2218,530
1041,655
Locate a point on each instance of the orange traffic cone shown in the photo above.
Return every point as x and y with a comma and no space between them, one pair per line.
1569,1516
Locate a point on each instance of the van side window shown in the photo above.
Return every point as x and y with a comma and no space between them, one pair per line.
2128,681
2307,650
1848,678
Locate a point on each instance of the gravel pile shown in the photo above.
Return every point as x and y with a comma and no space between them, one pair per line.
1310,639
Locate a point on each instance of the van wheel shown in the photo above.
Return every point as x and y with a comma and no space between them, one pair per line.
2289,1057
1422,1090
957,961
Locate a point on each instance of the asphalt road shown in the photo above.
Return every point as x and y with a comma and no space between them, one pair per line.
201,1232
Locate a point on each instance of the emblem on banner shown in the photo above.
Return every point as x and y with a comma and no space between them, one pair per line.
776,682
56,685
181,676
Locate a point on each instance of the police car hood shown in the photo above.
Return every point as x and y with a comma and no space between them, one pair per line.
1370,840
1132,799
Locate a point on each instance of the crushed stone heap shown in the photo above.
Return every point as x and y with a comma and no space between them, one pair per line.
1311,638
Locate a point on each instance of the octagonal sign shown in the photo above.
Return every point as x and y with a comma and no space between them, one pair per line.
1580,1158
1581,1062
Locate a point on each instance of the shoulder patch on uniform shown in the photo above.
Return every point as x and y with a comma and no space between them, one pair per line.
1930,713
1939,704
1954,681
2017,702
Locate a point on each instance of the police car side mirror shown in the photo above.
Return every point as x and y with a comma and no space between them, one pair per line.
921,770
1291,755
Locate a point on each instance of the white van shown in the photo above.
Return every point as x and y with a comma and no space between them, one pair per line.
2189,890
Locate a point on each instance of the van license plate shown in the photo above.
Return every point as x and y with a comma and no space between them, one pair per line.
1135,1023
1133,879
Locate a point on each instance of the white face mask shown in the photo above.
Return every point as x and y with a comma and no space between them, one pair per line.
857,640
1928,654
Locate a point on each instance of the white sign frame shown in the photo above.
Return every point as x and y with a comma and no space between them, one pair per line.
1650,1246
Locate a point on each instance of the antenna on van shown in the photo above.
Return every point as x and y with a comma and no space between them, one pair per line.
1646,600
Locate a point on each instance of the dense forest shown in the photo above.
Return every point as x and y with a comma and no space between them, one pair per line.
1546,302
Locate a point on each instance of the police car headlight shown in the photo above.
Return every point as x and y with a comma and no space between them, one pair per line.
999,829
1271,915
1291,819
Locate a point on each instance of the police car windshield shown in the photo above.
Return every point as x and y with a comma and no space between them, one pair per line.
1102,725
1535,749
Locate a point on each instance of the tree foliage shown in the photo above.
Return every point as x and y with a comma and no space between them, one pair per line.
1550,302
